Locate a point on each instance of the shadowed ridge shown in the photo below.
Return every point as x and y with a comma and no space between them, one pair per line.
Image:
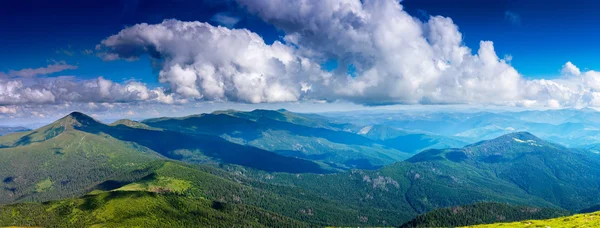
504,147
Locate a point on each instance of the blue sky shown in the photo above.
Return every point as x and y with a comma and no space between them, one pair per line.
548,33
543,39
94,55
40,31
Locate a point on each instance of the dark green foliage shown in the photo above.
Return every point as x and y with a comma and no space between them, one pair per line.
482,213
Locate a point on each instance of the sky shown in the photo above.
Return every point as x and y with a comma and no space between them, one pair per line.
139,59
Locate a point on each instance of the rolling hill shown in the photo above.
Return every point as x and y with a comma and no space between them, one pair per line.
311,137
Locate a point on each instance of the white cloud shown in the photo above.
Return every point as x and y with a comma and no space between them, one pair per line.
570,69
32,72
67,89
397,59
225,19
216,63
8,109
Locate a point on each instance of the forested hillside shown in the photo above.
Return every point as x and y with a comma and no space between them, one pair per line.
481,213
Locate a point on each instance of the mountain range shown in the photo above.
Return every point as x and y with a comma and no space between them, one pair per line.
275,168
568,127
7,130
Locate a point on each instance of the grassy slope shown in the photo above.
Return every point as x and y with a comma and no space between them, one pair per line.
139,209
578,220
70,156
65,166
184,183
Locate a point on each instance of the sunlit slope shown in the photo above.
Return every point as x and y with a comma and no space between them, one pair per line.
578,220
173,193
140,209
57,162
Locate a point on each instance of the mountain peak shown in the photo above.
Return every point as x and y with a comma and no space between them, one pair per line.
509,145
522,135
75,119
514,137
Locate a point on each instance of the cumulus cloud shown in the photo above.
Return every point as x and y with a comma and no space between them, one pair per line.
394,57
32,72
8,109
398,58
570,68
68,89
205,62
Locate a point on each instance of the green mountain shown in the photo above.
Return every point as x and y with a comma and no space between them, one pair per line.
517,168
68,157
481,213
187,166
169,195
303,136
57,161
562,176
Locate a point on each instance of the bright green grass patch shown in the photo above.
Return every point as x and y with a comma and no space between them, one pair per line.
578,220
44,185
159,185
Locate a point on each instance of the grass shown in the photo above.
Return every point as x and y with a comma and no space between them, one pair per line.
140,209
160,184
578,220
44,185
